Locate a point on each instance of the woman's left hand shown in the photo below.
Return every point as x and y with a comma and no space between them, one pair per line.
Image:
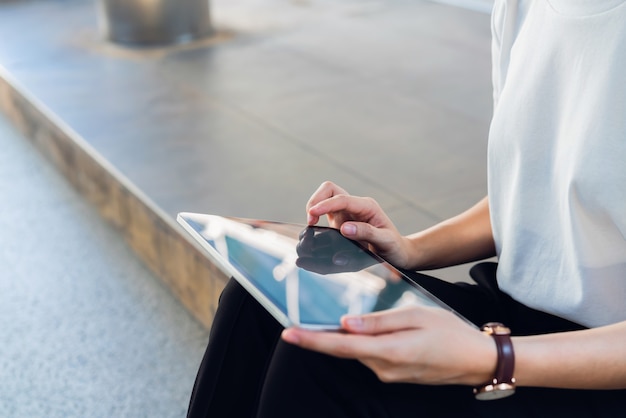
411,345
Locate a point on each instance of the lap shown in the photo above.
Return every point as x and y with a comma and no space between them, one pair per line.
311,385
248,368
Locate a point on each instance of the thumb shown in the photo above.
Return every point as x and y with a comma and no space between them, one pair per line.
385,321
349,229
360,231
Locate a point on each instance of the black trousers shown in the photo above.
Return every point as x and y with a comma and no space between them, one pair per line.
247,371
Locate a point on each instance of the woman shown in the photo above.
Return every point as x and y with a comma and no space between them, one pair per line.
555,218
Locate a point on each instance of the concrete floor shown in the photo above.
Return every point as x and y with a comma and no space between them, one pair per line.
86,331
389,98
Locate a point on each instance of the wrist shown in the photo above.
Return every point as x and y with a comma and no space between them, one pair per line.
502,384
417,250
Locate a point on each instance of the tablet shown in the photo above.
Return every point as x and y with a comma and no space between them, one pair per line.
305,276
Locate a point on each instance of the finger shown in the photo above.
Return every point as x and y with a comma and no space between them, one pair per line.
347,207
384,322
361,231
336,344
326,190
379,239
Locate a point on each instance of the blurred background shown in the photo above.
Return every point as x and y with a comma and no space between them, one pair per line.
115,115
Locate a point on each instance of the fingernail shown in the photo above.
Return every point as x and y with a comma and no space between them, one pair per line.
290,336
341,260
309,219
349,229
355,323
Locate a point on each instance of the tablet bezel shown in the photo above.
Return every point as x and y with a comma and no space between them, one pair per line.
282,317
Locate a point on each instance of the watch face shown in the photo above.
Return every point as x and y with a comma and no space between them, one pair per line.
496,328
491,392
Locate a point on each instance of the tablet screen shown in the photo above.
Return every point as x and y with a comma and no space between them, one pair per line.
307,276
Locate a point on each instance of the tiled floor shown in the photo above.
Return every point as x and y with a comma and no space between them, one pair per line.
86,330
393,102
389,98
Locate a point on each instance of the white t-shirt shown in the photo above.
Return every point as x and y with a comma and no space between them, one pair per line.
557,156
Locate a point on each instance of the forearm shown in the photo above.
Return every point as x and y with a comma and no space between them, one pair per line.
461,239
589,359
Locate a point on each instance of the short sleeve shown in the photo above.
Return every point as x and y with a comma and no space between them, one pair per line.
506,21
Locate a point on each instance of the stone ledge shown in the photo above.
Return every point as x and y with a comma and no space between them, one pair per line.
155,238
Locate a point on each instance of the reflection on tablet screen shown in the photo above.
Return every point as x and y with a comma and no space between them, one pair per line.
307,276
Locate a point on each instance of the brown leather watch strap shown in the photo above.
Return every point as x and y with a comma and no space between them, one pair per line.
503,383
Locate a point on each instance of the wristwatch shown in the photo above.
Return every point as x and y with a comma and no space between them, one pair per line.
503,383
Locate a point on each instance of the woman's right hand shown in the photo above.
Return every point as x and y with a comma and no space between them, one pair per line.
361,219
